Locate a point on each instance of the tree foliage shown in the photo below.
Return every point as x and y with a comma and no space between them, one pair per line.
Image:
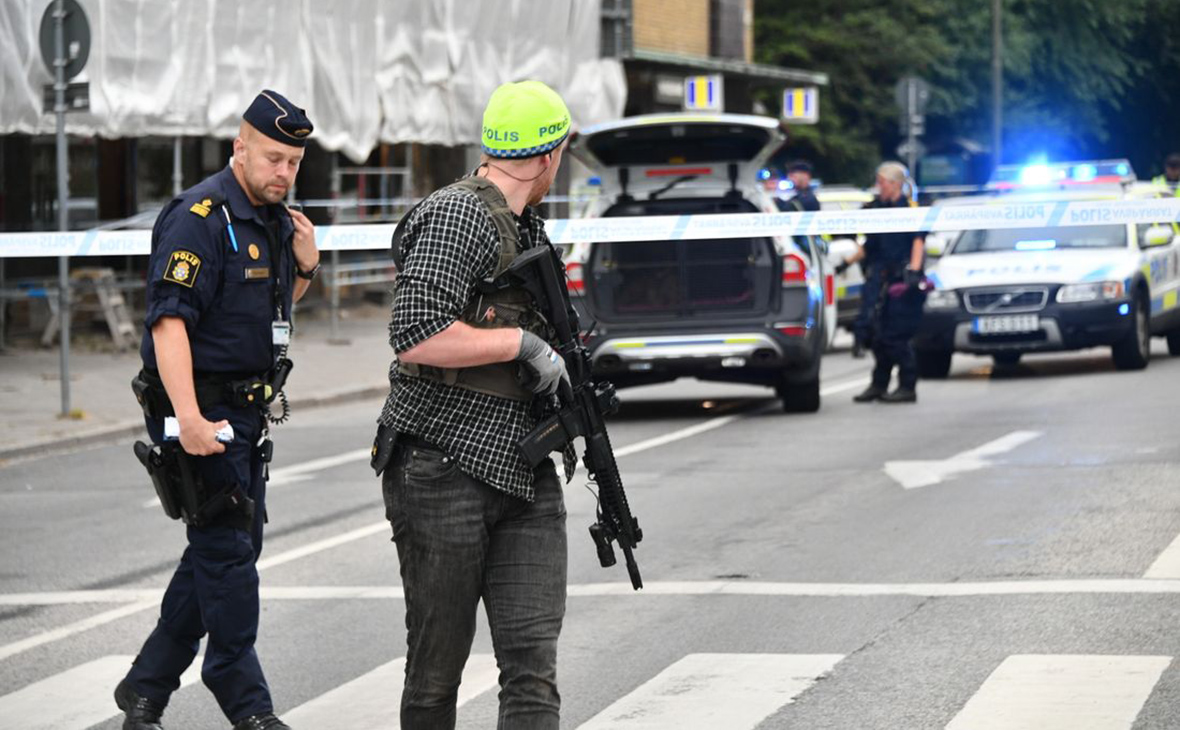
1082,78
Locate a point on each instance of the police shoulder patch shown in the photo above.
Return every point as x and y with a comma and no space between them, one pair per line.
183,267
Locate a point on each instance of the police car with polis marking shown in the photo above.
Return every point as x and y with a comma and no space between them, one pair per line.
1009,292
746,309
850,283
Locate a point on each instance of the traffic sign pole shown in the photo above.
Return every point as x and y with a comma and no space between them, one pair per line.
63,197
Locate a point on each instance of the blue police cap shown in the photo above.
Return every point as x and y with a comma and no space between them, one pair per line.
279,119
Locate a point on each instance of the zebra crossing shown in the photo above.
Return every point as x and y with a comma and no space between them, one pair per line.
734,691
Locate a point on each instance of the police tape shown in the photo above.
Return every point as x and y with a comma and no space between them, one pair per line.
938,218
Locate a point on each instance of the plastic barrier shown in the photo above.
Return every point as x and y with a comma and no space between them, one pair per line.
681,227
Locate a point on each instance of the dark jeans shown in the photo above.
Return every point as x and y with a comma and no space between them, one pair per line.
214,591
459,541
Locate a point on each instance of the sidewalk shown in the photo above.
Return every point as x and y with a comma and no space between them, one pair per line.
100,384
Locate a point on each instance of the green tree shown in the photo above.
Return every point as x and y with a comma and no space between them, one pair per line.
1082,78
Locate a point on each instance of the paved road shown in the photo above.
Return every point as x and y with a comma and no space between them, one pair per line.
998,556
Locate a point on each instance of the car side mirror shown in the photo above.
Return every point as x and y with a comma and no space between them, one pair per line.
1158,236
935,245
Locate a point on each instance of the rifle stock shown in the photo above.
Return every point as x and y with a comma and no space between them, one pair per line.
583,406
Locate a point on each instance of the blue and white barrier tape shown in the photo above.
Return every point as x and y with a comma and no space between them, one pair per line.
681,227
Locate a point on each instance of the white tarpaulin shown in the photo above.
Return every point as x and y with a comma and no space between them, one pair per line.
365,70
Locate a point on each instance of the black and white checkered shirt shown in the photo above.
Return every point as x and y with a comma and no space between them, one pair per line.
449,245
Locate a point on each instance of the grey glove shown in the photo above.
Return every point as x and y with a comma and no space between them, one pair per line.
544,367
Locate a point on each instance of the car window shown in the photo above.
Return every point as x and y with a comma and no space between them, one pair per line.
1041,239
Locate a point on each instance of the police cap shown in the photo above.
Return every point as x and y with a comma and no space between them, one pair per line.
799,166
1173,160
279,119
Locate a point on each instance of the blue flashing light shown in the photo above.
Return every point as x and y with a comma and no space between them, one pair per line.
1036,175
1122,168
786,185
1085,172
764,174
1124,309
1047,244
594,180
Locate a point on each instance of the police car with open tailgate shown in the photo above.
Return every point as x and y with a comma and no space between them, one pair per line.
752,310
1008,292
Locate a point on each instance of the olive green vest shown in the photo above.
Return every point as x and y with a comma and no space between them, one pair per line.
509,307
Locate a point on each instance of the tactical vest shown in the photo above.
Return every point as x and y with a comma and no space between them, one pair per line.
490,308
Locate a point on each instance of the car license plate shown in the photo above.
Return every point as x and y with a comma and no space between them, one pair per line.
1008,324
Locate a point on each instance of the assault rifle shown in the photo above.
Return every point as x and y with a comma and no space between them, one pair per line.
582,406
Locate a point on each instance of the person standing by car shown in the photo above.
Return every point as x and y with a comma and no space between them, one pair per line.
799,173
471,520
892,297
1171,176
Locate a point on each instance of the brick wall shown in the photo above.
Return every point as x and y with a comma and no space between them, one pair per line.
675,26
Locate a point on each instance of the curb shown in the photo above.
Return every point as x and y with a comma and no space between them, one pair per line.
136,428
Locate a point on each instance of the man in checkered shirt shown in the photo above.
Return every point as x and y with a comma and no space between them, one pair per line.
471,519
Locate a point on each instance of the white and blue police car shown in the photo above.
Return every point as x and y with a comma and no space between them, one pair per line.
1008,292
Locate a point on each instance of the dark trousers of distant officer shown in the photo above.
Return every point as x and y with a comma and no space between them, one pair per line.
895,325
214,590
862,326
459,541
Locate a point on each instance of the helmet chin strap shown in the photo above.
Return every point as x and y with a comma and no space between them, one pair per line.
502,171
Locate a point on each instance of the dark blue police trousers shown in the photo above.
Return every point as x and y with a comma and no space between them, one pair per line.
896,324
214,590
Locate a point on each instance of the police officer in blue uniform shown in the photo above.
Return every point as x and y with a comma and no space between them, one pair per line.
893,295
227,262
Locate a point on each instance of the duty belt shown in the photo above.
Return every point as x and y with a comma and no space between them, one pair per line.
211,390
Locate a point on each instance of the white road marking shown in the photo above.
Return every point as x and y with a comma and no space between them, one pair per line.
372,699
74,699
107,617
1167,565
841,387
915,474
731,691
1125,586
1035,692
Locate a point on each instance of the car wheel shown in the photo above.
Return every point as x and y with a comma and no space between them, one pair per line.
1134,350
800,397
1174,342
1007,359
934,364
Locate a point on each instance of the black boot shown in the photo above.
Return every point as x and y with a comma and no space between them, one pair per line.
140,713
901,395
869,395
265,721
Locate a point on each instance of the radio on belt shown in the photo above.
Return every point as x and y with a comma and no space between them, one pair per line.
225,434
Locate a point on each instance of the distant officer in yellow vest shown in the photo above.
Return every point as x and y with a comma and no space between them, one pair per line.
1171,176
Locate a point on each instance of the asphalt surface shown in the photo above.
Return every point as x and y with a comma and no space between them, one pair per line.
765,534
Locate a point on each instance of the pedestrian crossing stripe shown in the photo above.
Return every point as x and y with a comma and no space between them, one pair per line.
731,691
74,699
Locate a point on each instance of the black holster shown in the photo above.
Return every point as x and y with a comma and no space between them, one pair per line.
184,494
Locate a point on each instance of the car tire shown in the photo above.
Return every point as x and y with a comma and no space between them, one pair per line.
1174,342
1007,359
1133,351
802,397
934,364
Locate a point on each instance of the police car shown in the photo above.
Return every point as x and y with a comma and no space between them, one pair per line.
747,309
1008,292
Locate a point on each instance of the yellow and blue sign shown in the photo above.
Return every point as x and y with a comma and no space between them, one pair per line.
703,93
801,105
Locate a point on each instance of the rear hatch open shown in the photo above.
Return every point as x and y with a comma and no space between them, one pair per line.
681,164
683,280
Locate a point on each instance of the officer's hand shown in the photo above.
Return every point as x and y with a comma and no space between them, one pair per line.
543,362
199,436
913,279
306,253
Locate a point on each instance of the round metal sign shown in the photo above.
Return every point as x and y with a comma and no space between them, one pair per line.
76,32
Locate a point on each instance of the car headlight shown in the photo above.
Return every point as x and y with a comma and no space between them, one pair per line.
942,299
1090,292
